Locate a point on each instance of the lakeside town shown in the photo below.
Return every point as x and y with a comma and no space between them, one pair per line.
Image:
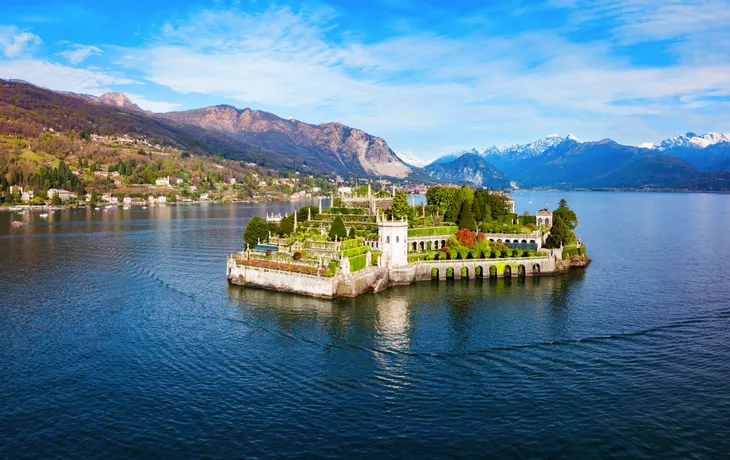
367,242
88,169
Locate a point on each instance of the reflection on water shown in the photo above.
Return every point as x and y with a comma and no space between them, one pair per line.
120,337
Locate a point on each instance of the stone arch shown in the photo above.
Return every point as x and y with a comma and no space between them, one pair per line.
443,243
521,270
491,240
547,221
435,273
414,246
478,271
506,241
492,271
539,221
422,245
464,272
449,272
429,245
507,272
532,241
499,241
524,241
535,268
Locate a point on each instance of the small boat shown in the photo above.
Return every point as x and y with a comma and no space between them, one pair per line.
96,208
144,207
43,214
15,208
107,211
17,223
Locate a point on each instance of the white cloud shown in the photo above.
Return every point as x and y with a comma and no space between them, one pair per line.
152,106
59,77
15,43
423,84
77,54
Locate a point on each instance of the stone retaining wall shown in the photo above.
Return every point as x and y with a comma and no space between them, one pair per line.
376,279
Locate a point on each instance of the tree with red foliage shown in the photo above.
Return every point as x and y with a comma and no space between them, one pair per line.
466,237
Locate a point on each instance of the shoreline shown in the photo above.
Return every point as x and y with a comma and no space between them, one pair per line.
378,279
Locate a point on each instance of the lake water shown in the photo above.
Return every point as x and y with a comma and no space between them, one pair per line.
120,337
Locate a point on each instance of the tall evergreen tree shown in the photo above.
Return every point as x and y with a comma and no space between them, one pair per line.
466,218
256,230
560,234
400,209
338,229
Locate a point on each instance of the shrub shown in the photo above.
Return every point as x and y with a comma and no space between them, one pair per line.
466,237
355,251
463,252
430,231
496,254
357,263
475,253
297,255
353,243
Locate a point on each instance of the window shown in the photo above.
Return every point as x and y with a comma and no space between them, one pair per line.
397,239
387,239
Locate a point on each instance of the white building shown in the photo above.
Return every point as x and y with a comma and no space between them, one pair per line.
64,195
345,190
544,217
394,242
26,196
163,182
127,200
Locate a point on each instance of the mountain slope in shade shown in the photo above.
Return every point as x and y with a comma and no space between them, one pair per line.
569,163
328,146
469,169
659,171
120,101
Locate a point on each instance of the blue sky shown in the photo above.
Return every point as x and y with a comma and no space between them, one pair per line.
428,77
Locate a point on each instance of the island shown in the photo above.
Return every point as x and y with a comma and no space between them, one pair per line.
366,243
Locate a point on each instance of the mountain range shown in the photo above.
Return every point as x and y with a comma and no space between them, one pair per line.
239,134
690,161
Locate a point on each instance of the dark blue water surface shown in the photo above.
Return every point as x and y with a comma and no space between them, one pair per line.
120,337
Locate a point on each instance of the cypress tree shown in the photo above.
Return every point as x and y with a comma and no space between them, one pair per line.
466,218
338,229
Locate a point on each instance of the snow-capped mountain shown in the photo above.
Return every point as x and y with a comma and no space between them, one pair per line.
412,159
519,151
691,140
514,151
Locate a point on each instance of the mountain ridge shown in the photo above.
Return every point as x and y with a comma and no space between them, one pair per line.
267,140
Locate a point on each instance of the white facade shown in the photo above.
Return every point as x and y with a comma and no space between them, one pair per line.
163,182
544,218
394,242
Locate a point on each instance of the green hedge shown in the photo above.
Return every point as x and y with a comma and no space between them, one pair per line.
430,231
355,251
358,263
573,251
353,211
353,243
527,220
